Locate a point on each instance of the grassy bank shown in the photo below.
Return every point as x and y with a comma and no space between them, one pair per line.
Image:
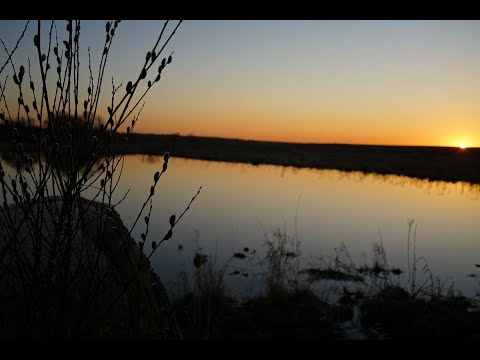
434,163
337,300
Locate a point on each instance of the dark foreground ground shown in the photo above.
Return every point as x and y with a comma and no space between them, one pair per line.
389,313
434,163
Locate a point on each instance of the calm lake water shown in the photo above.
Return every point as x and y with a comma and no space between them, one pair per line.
241,204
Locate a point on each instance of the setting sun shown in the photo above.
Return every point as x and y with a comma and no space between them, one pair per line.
462,146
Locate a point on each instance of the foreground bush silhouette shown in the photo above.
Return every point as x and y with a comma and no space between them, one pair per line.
68,265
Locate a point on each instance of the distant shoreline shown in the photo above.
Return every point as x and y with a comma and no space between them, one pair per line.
432,163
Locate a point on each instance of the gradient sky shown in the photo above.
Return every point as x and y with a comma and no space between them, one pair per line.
360,82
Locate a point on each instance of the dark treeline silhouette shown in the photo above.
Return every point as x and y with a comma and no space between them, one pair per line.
26,129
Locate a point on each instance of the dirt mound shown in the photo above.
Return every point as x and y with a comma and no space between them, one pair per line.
86,277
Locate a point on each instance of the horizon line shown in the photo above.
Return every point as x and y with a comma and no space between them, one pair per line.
300,142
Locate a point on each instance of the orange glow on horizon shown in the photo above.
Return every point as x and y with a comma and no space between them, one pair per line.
286,132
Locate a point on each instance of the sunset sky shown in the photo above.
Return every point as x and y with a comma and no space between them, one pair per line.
359,82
